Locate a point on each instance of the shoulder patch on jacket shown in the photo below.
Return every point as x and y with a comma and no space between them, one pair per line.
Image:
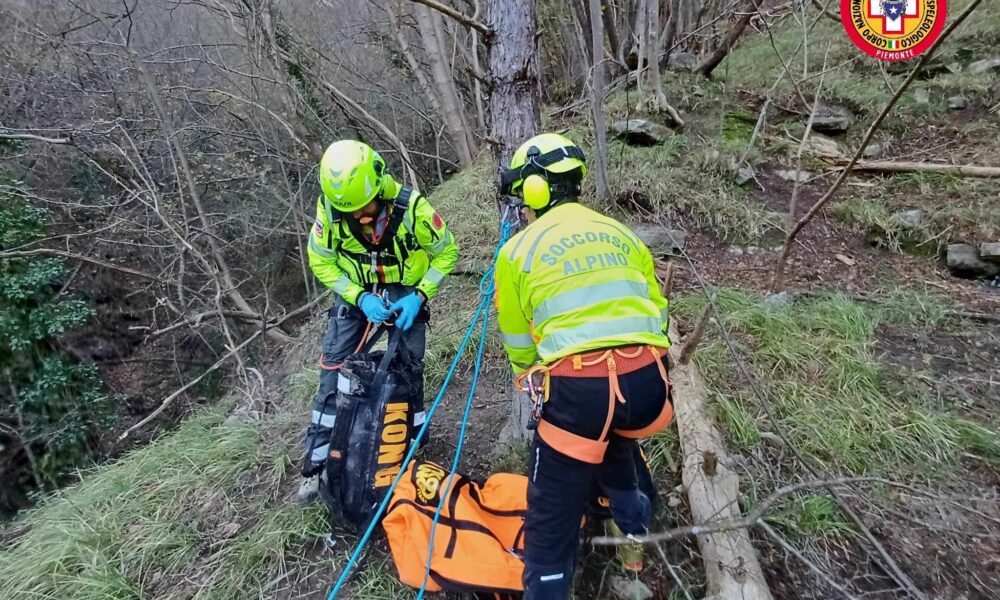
438,222
318,228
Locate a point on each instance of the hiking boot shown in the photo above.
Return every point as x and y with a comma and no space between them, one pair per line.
630,555
308,490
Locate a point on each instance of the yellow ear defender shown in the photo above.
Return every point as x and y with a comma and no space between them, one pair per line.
535,191
390,187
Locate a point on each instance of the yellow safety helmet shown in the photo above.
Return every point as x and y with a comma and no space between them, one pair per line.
546,169
351,174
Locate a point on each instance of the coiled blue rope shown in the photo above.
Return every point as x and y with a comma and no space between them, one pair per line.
486,286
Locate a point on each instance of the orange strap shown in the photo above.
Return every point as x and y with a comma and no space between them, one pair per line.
592,451
666,414
596,364
572,445
326,367
364,338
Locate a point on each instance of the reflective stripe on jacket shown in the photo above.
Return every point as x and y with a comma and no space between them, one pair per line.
576,280
422,254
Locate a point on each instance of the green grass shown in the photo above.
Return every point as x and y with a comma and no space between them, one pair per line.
754,65
829,393
200,511
837,404
467,201
376,581
810,516
955,209
514,459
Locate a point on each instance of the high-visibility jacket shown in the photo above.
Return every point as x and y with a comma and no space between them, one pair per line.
576,280
421,254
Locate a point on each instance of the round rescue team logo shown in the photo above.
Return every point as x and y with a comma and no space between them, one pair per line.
427,479
893,29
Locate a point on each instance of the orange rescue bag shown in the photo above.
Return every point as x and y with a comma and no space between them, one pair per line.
479,538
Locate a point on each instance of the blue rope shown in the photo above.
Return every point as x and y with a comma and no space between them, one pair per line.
485,288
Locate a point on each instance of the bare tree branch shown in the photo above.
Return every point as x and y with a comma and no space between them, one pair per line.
461,18
232,352
36,138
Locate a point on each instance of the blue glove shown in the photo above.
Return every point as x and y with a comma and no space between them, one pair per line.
407,307
374,309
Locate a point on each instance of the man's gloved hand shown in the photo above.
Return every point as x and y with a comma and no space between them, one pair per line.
374,309
407,307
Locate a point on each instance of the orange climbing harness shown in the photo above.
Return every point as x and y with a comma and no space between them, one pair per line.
602,363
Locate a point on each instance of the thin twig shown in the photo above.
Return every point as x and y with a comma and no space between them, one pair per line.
673,572
691,344
774,535
723,525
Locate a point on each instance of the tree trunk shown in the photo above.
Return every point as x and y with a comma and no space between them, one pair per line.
581,32
582,11
453,111
515,116
685,15
608,19
477,84
731,565
411,60
641,32
657,99
667,39
515,99
708,65
597,100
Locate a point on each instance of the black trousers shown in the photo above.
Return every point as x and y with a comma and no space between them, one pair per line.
560,487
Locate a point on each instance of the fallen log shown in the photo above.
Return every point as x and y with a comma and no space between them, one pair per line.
731,565
889,166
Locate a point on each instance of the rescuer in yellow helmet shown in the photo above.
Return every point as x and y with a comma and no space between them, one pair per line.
583,321
384,252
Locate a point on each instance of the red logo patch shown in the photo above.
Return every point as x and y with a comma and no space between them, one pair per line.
893,29
438,221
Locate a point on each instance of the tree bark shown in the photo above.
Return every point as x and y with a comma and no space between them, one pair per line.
515,116
642,33
731,565
581,10
451,106
597,102
477,83
608,19
581,31
648,26
667,39
658,100
515,100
